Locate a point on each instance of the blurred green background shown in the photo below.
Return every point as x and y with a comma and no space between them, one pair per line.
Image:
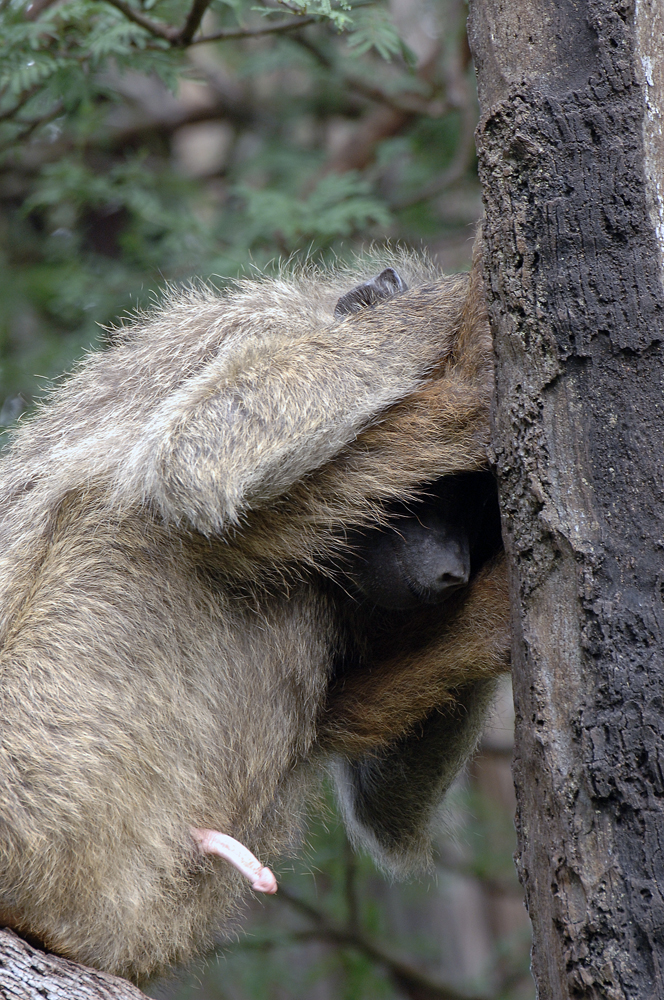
153,141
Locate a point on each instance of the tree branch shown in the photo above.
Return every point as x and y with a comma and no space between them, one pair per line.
413,982
36,8
22,101
270,29
191,25
184,37
350,888
155,28
32,126
29,974
409,103
461,161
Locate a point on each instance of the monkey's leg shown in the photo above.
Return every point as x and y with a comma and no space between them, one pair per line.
372,706
389,798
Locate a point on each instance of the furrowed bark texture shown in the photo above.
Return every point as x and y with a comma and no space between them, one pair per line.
29,974
571,155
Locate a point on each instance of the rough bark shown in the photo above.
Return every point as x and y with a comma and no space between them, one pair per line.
29,974
571,158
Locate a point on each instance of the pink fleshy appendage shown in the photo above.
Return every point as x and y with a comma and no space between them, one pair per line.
211,842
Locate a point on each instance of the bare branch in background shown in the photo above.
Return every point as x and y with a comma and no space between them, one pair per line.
396,112
408,103
351,887
411,103
359,150
183,37
149,108
155,28
268,29
461,96
458,168
192,23
36,8
32,126
409,979
22,101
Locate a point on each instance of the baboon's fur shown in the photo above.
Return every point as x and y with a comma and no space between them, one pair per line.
172,521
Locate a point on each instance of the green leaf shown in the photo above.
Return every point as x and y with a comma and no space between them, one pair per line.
117,39
21,76
330,10
373,29
339,205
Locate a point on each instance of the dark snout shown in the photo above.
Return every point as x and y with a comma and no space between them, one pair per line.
428,549
436,561
418,561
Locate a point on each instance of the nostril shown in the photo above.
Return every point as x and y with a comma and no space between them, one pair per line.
439,565
455,578
453,567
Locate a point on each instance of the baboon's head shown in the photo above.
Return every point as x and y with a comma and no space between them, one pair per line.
430,549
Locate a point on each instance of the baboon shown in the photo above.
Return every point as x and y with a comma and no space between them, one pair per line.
252,539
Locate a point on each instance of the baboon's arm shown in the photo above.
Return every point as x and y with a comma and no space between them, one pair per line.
259,417
389,797
403,726
384,700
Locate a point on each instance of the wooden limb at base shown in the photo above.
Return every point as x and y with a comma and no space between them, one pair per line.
29,974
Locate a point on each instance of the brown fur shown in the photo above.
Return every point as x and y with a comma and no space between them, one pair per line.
402,682
172,521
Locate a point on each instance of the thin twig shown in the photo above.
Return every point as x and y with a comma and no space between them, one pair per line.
409,978
183,38
458,167
33,126
284,3
321,57
461,97
22,101
36,8
192,23
410,103
350,887
155,28
269,29
308,909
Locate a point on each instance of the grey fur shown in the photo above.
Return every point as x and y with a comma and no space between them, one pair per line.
169,523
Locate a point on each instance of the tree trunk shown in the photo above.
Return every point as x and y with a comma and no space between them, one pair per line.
29,974
571,151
